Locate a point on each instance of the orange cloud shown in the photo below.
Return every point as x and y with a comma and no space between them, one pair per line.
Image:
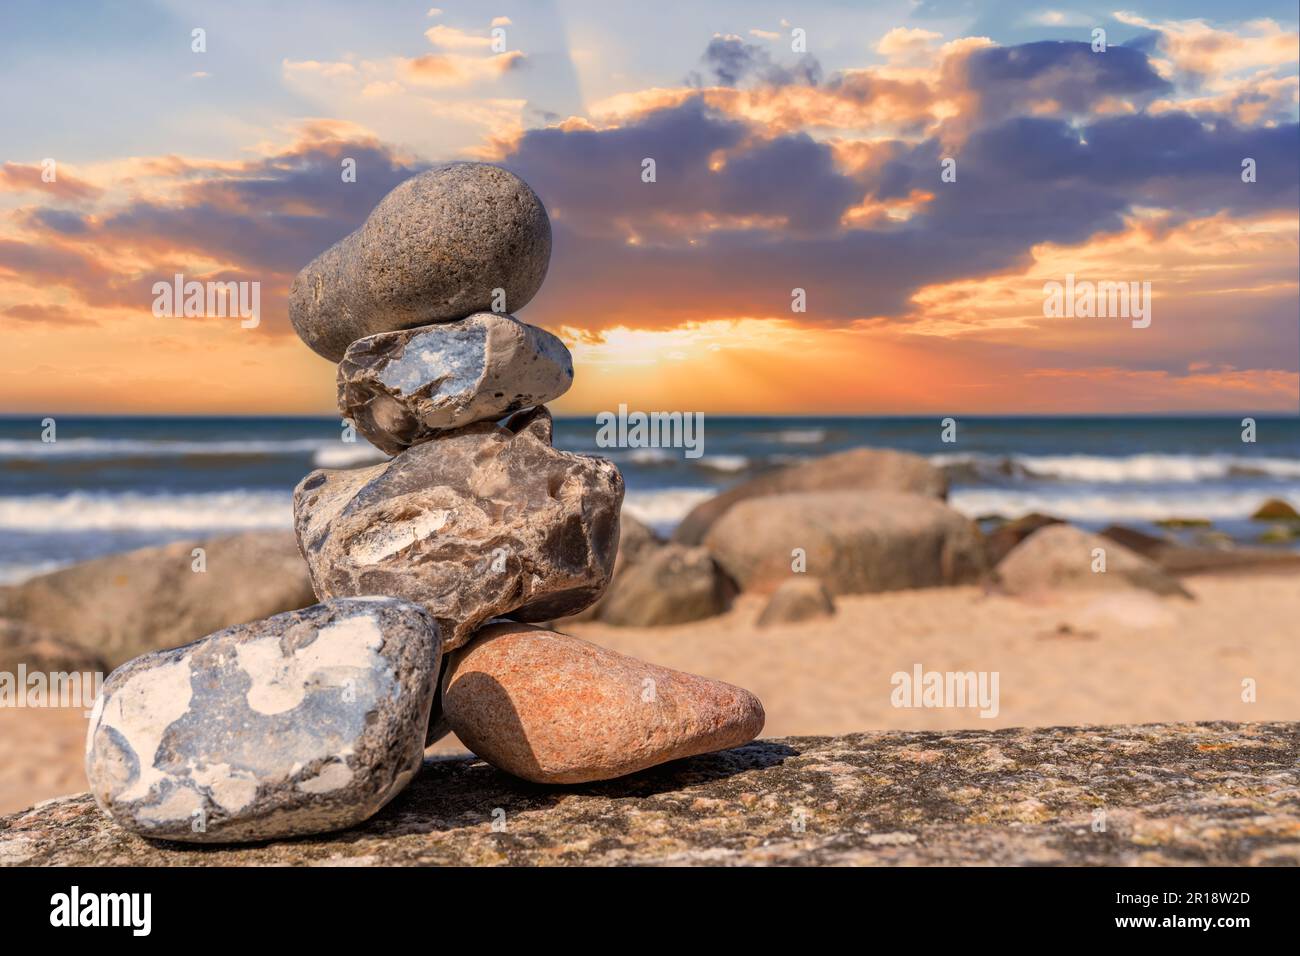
16,178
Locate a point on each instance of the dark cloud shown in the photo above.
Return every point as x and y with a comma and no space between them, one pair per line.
58,220
1021,181
275,215
268,219
730,61
738,216
592,178
1009,81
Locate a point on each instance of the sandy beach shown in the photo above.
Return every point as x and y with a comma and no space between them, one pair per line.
1067,659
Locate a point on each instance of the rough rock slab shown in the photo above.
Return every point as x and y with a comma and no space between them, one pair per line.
1168,794
557,709
401,388
306,722
1063,556
433,250
474,524
857,542
858,469
123,605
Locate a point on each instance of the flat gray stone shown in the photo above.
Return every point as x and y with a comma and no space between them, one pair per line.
402,388
306,722
477,523
1211,794
433,250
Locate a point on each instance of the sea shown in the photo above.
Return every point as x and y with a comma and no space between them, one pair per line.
110,484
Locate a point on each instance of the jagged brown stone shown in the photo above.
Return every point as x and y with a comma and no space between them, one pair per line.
473,524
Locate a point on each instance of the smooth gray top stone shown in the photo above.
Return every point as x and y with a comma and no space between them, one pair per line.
305,722
433,250
401,388
1217,794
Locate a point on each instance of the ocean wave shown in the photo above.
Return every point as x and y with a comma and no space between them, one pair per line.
798,436
97,511
16,572
664,508
1139,506
727,463
340,455
1129,469
33,450
647,456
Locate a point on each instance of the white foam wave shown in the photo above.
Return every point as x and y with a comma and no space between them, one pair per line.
31,450
727,463
17,572
664,508
1134,469
97,511
800,436
340,455
1139,506
648,456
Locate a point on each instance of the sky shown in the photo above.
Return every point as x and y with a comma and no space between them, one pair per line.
922,171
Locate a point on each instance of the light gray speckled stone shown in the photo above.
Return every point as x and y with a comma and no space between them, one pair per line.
401,388
305,722
475,523
433,250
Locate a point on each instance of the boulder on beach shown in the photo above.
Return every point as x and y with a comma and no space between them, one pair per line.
673,584
1178,559
1275,509
127,604
999,542
473,524
401,388
1062,556
302,723
802,598
456,239
39,649
551,708
858,469
855,541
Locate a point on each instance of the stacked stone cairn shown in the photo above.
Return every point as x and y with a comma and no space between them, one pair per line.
432,568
